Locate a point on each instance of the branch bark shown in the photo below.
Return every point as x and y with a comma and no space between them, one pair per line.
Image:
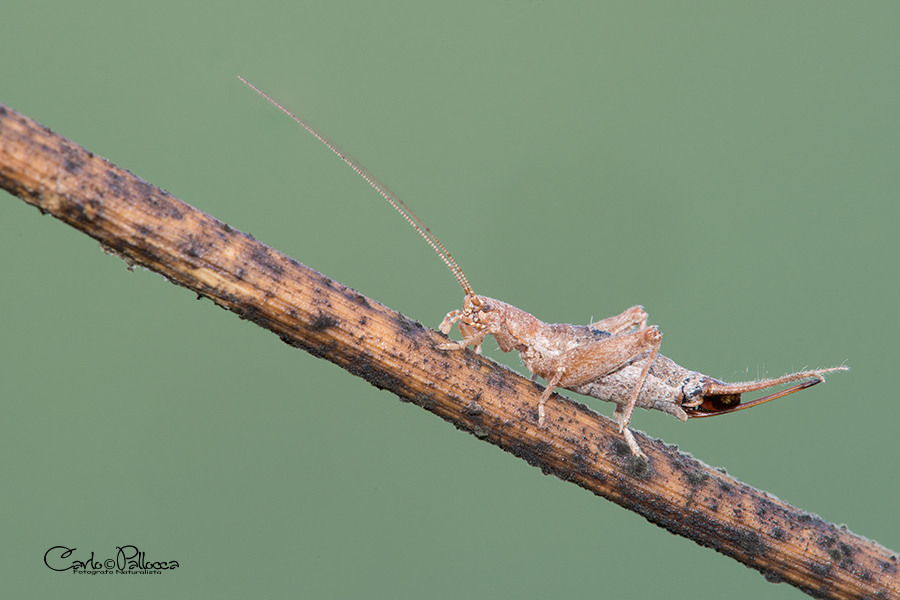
150,227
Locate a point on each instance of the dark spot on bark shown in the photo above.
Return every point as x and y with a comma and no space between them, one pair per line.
73,213
826,542
323,321
412,330
599,476
408,326
326,349
748,542
532,454
259,254
847,550
620,448
480,431
772,577
677,463
820,570
498,380
726,487
695,478
472,360
841,554
888,568
2,111
361,365
322,300
249,313
766,509
194,247
240,273
228,299
164,204
74,158
150,257
72,166
363,321
714,507
426,401
778,534
290,341
317,350
580,464
637,467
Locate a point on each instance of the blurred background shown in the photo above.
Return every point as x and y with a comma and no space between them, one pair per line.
732,168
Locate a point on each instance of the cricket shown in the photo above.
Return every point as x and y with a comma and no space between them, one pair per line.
615,360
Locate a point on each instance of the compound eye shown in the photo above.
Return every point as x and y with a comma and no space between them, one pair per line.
487,308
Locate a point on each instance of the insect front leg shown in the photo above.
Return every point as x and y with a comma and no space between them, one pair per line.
470,340
471,335
452,317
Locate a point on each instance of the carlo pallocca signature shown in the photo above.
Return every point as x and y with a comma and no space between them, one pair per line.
128,559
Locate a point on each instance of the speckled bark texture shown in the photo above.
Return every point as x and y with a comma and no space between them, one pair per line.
149,227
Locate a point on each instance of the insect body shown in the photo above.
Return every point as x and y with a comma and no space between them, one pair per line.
616,359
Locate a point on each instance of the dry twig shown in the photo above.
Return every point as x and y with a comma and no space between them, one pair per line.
152,228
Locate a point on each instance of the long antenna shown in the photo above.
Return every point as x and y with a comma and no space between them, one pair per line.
382,189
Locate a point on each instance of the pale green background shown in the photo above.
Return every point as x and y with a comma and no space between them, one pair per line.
733,168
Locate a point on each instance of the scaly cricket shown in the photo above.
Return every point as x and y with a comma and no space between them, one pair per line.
616,360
